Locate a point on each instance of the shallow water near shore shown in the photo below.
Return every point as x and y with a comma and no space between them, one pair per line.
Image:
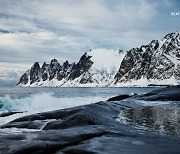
164,119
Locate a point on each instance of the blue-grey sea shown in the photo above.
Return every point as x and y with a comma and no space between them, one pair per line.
34,100
17,98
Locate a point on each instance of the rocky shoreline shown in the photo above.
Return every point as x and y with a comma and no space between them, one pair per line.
96,128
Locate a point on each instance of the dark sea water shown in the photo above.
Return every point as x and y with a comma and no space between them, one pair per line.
20,92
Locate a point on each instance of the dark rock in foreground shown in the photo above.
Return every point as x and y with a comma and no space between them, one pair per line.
92,128
171,93
118,98
6,114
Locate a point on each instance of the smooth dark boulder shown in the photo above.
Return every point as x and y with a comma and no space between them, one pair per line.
118,98
6,114
73,121
170,93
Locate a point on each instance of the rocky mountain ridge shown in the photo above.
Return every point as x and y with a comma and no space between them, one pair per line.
157,63
37,75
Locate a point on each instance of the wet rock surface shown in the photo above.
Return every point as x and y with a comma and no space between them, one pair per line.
6,114
171,93
119,98
94,128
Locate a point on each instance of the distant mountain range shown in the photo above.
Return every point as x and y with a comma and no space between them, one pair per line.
157,63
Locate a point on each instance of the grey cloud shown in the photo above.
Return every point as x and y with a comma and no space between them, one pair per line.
8,83
100,21
12,75
8,78
39,30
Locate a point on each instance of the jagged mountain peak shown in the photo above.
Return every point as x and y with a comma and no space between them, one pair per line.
66,65
172,35
120,51
34,72
54,62
85,57
155,63
44,65
36,65
89,69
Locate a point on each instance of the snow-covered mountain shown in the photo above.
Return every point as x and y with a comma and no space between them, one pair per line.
157,63
95,68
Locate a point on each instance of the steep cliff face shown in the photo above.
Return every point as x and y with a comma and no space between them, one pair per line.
102,71
82,66
158,61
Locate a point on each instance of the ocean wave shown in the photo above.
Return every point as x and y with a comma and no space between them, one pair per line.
43,102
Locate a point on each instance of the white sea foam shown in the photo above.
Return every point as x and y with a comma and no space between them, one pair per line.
40,103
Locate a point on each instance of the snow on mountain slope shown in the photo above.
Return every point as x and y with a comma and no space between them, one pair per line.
101,73
157,63
106,59
96,68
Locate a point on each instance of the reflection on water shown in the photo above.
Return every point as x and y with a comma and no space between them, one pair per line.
163,119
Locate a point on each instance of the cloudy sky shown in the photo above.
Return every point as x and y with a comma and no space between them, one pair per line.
39,30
